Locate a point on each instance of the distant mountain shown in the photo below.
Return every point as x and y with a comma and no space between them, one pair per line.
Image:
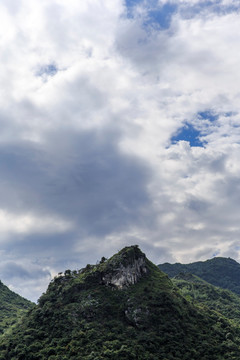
122,308
201,293
219,271
12,307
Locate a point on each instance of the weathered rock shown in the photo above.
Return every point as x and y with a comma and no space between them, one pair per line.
127,270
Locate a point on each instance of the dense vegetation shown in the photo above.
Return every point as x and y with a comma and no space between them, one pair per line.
12,307
219,271
199,292
83,316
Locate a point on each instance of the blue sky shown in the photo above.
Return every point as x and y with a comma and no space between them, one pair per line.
157,16
47,70
188,133
194,132
120,125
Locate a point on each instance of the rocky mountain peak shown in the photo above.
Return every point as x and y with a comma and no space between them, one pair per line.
125,268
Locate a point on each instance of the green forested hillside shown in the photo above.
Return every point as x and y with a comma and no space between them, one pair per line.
199,292
12,307
219,271
122,308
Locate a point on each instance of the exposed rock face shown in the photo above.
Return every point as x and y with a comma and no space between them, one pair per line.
126,270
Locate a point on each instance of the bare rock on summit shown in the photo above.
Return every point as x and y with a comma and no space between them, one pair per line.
126,268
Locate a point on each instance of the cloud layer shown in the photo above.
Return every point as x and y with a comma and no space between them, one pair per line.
102,106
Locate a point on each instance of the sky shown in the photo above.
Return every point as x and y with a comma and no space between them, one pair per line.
119,125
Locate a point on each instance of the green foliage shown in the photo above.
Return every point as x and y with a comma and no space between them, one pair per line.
199,292
80,317
219,271
12,308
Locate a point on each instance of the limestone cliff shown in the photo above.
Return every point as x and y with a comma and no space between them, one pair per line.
125,268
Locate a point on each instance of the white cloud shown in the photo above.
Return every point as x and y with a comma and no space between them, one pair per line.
28,223
87,164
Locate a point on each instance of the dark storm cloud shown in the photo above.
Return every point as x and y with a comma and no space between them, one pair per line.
134,72
59,245
55,251
82,177
11,270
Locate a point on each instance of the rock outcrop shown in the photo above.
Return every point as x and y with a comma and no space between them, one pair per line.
126,268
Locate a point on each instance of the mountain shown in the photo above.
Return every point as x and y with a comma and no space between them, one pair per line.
12,307
201,293
122,308
219,271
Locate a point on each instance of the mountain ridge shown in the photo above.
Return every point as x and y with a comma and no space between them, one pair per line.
219,271
122,308
12,307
